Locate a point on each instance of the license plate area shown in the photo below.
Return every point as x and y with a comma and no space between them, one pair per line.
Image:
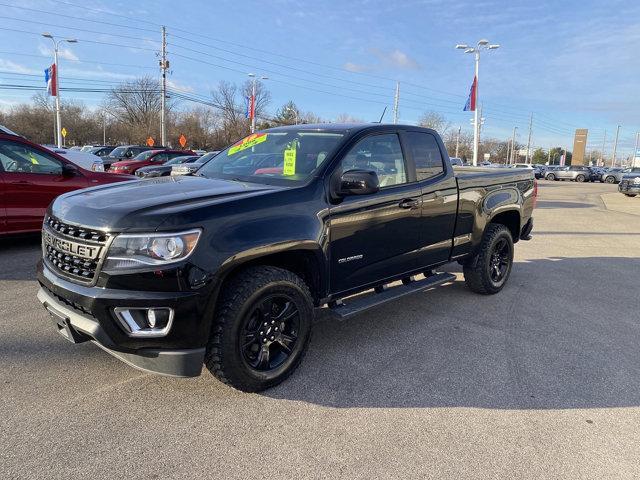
64,327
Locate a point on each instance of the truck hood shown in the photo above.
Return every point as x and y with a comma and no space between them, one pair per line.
143,204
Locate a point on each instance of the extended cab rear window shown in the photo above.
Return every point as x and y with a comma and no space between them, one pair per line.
426,155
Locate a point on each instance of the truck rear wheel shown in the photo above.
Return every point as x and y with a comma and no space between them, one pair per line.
488,271
261,330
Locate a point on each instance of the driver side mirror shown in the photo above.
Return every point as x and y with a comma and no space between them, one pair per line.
358,182
69,169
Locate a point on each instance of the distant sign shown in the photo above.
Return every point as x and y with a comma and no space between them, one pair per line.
182,140
151,142
487,156
64,132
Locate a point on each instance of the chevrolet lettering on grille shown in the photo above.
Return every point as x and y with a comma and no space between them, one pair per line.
85,251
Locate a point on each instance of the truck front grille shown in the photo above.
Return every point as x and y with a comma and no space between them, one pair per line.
65,262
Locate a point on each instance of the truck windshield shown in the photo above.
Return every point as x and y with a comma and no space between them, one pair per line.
280,158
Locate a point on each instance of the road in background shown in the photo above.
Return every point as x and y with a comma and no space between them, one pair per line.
540,381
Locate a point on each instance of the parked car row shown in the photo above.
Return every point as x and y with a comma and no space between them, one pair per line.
581,173
31,175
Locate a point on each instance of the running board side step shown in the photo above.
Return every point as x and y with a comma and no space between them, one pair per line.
346,308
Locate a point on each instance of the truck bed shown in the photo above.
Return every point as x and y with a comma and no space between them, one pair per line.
473,177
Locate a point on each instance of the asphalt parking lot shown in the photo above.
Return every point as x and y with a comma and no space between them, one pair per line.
540,381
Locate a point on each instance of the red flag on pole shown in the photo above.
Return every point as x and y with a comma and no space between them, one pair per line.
252,107
50,77
470,106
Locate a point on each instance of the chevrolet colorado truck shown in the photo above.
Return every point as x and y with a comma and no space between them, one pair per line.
226,267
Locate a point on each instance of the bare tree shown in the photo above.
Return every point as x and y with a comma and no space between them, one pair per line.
434,120
346,118
136,104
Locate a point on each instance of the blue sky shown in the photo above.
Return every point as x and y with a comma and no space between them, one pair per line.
573,64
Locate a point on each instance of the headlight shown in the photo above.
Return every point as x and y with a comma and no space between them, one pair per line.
97,167
141,251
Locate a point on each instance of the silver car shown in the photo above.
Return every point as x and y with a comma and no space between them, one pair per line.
578,173
630,183
613,175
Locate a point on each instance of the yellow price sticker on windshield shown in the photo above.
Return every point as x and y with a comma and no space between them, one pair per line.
247,142
289,167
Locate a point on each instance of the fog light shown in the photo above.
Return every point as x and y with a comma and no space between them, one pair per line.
145,322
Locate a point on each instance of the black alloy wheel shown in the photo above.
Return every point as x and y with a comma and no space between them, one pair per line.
500,260
270,333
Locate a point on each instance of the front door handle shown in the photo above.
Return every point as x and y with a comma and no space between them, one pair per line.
409,203
21,182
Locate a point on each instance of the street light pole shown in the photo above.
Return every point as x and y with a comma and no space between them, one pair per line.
56,44
615,147
635,150
458,141
252,105
513,146
476,126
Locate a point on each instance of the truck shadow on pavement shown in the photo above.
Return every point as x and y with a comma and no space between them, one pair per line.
562,334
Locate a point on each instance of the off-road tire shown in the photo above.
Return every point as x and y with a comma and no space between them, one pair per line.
477,269
224,358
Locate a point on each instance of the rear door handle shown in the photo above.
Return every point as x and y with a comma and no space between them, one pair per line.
21,182
409,203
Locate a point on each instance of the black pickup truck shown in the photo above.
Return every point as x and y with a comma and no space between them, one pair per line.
227,266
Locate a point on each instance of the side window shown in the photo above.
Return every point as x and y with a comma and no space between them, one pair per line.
426,154
380,153
160,157
20,158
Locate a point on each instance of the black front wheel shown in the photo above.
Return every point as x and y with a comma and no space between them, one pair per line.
488,271
261,330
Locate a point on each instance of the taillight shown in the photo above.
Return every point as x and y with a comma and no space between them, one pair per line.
535,192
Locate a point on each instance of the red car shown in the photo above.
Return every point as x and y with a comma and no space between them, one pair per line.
144,159
31,177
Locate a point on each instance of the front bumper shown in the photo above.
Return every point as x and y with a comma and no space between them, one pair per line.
83,313
629,187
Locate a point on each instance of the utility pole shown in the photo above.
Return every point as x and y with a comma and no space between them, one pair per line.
513,146
396,101
635,150
458,141
529,141
164,65
549,157
601,162
104,128
615,147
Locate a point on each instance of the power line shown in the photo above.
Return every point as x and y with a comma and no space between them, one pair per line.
20,54
119,35
85,40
